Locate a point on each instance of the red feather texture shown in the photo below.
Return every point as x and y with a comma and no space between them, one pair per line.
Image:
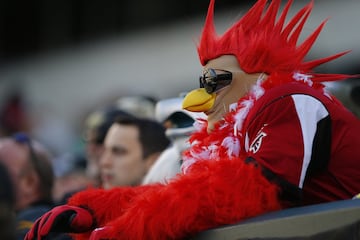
263,43
211,194
106,205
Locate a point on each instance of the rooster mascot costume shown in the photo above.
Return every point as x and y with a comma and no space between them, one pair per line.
273,138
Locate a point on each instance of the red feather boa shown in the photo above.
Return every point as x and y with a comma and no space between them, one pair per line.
211,194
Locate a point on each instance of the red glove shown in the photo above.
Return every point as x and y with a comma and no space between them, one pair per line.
61,219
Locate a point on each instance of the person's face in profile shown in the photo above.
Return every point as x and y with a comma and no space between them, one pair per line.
122,163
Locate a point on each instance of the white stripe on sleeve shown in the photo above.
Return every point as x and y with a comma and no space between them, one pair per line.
310,111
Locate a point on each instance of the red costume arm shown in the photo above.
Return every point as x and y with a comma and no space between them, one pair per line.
212,194
106,205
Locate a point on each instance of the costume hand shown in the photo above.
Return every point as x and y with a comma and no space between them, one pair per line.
60,219
101,234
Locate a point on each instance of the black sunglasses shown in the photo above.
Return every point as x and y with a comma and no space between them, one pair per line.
212,81
22,138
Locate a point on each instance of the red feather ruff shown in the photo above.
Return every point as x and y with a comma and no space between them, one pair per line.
212,194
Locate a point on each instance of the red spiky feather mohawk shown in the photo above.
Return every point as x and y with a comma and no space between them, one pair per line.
261,43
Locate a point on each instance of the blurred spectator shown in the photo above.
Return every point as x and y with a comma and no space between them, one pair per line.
348,92
132,145
7,200
29,166
96,126
179,124
72,179
13,115
139,106
98,122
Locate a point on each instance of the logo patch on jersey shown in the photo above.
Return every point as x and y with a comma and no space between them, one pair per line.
256,144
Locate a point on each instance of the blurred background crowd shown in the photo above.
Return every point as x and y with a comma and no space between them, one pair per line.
68,67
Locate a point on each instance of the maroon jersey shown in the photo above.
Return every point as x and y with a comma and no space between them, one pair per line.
308,140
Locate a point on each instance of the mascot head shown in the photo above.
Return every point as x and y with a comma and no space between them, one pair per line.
262,47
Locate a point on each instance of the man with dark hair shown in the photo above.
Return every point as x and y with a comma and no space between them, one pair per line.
30,168
97,125
131,145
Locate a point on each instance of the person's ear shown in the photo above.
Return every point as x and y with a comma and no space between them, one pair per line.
151,159
29,181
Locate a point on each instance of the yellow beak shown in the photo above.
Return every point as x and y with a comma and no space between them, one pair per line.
198,100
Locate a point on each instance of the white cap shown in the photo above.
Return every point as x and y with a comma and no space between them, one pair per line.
139,106
164,109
